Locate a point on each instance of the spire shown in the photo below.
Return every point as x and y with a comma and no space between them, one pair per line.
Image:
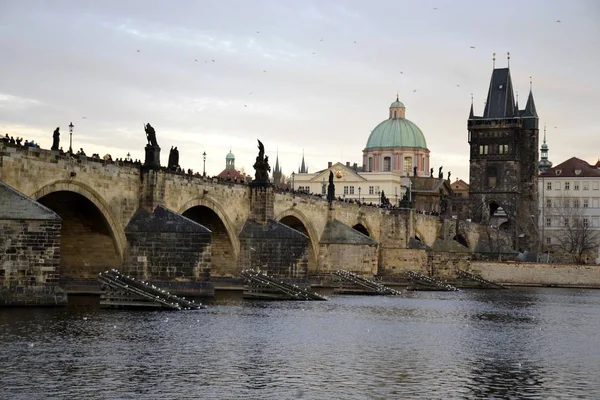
471,115
303,169
500,101
530,110
517,101
494,61
544,163
277,162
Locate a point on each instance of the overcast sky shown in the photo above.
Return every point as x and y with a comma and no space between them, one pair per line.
313,75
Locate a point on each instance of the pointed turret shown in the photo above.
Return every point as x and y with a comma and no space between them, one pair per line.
500,99
530,110
471,115
277,172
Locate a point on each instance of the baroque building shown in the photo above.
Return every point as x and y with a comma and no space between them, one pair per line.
395,163
503,167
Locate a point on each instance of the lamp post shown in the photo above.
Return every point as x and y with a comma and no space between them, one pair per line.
71,126
359,199
293,175
204,166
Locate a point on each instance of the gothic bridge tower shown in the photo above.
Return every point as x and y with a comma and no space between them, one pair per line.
503,167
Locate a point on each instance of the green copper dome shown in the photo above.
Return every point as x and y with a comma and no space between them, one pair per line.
230,156
396,132
397,103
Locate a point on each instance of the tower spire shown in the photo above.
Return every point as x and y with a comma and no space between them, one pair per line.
471,112
544,163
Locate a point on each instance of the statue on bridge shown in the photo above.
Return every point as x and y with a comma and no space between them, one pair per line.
152,149
440,173
261,166
173,159
330,189
55,139
150,135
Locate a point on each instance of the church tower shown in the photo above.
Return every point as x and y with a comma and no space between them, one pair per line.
277,173
503,166
545,164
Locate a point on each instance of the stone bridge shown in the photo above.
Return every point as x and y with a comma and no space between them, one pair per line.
96,199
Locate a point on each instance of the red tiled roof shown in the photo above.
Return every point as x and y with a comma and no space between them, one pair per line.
573,167
231,173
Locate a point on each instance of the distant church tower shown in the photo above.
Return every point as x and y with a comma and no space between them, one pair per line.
503,166
303,169
229,160
545,164
277,173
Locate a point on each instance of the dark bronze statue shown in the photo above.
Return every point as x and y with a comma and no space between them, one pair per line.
414,171
173,162
55,139
150,135
261,166
330,188
440,174
431,173
449,173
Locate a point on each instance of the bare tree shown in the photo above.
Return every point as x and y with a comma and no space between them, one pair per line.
575,235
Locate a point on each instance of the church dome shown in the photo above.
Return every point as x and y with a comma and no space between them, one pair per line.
396,132
230,156
397,103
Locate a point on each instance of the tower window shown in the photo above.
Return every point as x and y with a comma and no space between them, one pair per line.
395,116
370,164
503,149
492,176
408,164
483,149
387,163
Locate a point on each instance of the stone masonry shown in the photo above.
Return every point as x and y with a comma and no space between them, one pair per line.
29,251
164,246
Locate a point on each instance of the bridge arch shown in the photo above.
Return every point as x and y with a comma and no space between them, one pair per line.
88,231
295,219
363,228
208,212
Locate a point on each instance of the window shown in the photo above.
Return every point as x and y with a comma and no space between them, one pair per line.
586,203
492,176
548,203
567,185
377,191
594,185
345,189
408,165
351,189
503,149
548,240
576,203
586,222
483,149
323,189
548,185
566,222
387,163
586,186
371,190
595,222
548,221
575,185
453,208
595,202
370,166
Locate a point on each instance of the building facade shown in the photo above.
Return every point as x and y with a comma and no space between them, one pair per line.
570,211
503,169
396,152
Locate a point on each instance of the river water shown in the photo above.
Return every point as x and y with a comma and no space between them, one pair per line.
533,343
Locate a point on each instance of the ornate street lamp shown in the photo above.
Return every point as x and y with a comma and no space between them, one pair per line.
293,175
359,199
71,126
204,167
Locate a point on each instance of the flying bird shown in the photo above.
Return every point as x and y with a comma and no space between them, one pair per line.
138,51
84,117
355,42
558,20
195,59
435,8
414,90
213,60
457,85
401,72
472,47
264,70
